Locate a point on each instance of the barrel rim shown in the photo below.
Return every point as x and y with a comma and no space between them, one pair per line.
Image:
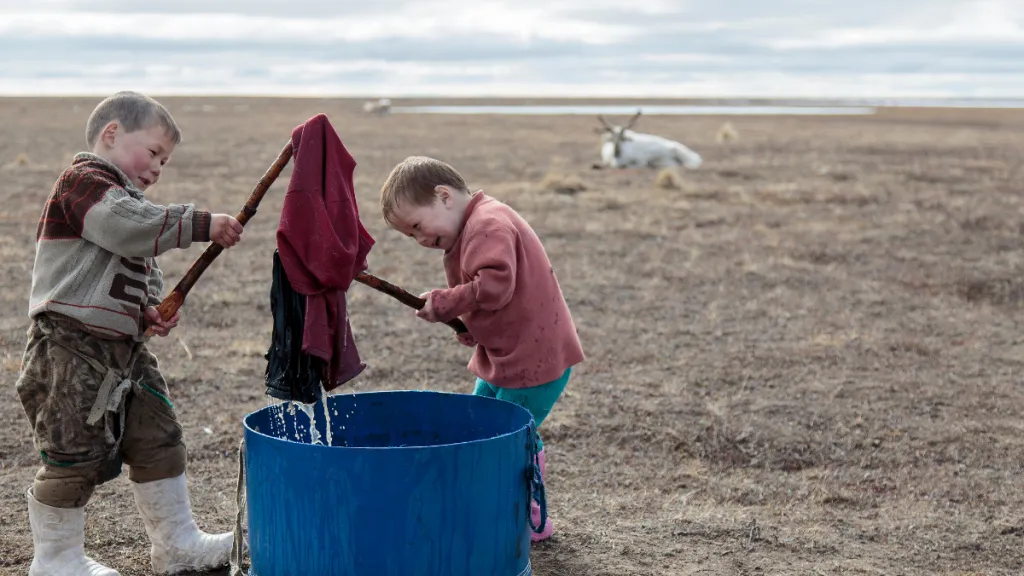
529,422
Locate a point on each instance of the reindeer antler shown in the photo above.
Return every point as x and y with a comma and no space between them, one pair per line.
632,120
605,122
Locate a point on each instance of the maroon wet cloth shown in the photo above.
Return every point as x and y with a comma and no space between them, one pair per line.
323,245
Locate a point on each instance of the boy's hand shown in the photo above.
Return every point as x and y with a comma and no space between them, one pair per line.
466,339
225,230
427,312
156,324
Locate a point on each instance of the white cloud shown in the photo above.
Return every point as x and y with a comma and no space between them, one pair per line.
656,47
982,22
420,21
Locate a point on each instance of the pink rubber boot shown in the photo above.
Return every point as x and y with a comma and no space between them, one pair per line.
535,508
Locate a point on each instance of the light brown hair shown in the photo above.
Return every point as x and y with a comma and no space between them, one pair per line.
413,180
134,111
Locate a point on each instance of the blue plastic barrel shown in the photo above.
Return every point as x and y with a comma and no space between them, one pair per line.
414,483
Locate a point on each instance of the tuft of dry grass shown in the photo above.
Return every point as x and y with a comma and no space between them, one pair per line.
669,179
20,161
561,183
727,133
12,363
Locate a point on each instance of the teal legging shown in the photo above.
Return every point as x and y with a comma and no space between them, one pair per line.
537,399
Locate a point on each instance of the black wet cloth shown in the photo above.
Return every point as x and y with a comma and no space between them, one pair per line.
291,374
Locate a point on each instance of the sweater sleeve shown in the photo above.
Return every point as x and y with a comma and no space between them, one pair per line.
155,284
133,227
489,258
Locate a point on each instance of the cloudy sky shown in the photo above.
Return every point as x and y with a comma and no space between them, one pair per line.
799,48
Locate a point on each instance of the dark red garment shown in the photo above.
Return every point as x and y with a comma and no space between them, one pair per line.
323,245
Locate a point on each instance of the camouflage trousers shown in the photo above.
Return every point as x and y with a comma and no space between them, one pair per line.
94,404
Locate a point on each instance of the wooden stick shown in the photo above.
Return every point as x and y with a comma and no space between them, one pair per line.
404,297
176,298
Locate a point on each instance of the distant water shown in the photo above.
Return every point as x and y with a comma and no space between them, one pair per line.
652,110
1007,103
727,107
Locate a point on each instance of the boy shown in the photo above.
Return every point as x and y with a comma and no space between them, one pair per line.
500,283
92,391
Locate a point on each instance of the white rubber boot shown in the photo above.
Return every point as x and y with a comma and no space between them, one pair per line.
178,544
58,536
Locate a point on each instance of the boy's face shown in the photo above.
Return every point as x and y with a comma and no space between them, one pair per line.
436,225
141,155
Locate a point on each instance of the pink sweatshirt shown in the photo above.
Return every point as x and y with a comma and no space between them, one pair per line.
502,285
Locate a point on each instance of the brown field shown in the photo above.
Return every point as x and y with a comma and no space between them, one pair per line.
805,359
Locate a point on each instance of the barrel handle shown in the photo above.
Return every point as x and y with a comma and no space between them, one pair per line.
238,544
535,483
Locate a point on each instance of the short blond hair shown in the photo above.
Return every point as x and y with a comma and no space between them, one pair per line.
414,181
134,111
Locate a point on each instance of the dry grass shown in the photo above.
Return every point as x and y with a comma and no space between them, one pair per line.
790,370
21,161
12,363
669,179
727,133
558,183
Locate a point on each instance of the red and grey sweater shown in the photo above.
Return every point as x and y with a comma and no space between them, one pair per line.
96,245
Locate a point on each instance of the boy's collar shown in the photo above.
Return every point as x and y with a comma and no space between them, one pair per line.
121,176
474,201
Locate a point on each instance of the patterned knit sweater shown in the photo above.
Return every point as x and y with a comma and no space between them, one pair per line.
96,245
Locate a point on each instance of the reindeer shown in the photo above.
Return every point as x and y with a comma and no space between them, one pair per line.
380,107
623,148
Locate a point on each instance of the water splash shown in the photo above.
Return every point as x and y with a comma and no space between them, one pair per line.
291,412
314,434
279,422
327,415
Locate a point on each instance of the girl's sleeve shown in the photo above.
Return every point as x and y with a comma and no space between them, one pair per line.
489,258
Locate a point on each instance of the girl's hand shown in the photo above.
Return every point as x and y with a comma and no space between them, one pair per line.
466,339
427,312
